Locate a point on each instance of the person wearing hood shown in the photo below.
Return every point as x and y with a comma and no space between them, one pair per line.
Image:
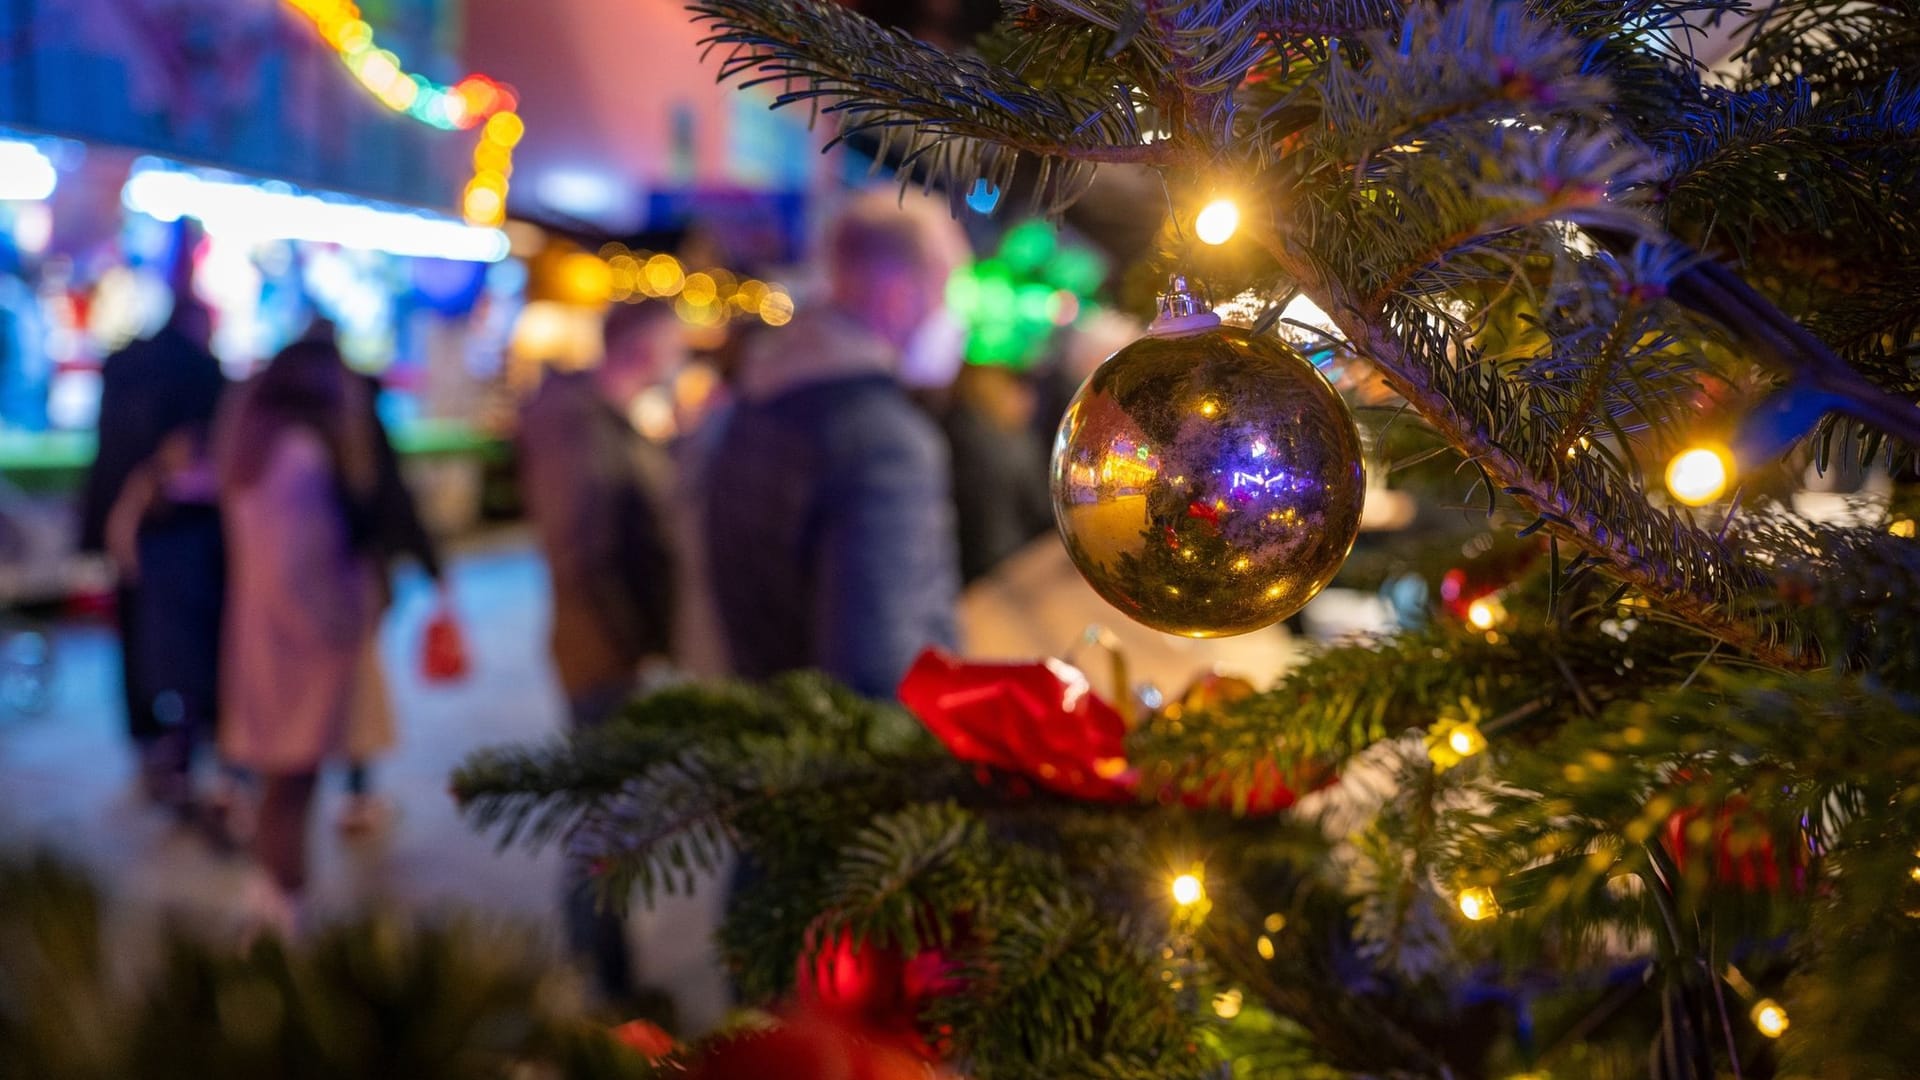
828,517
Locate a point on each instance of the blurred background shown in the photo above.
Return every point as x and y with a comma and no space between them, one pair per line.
460,191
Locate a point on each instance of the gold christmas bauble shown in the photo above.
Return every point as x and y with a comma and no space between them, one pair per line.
1208,482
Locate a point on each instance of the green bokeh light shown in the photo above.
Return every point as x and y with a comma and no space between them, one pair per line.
1013,301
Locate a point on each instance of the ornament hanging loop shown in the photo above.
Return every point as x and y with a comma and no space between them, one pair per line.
1181,311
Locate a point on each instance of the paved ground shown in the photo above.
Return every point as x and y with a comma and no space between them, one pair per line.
66,785
66,777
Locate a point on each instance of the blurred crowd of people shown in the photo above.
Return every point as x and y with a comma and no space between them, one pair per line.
823,509
251,527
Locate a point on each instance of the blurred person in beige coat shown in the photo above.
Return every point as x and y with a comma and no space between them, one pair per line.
300,685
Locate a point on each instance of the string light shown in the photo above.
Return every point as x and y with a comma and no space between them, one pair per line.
709,297
1217,223
470,102
1699,475
1769,1018
1478,903
1187,890
1486,613
1227,1003
1466,740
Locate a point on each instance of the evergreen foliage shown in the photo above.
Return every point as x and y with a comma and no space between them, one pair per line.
376,997
1545,226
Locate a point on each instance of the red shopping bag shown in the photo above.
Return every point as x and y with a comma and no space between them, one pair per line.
443,653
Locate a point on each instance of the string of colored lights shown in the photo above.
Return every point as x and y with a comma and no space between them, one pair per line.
473,101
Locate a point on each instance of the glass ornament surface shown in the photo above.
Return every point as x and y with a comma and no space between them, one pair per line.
1208,483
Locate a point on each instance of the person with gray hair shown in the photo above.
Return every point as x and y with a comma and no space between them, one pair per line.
829,524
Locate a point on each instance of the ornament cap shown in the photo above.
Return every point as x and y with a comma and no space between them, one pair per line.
1181,312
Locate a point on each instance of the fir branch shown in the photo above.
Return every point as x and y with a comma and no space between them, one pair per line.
1687,571
1346,698
1061,989
1837,46
959,118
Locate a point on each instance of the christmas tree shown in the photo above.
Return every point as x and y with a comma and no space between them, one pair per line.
1650,808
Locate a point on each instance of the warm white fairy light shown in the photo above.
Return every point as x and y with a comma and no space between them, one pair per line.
1187,890
1486,613
1217,223
1769,1018
1478,903
1699,475
1466,740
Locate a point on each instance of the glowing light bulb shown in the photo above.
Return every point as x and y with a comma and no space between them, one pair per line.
483,206
1486,613
505,128
1699,475
1770,1018
1466,740
1226,1004
1187,890
1478,903
1217,223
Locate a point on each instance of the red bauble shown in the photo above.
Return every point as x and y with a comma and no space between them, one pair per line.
1755,866
1267,792
876,988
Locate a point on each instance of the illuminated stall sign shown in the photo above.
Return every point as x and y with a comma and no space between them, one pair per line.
241,84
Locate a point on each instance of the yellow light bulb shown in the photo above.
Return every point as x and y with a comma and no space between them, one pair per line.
505,128
1226,1004
1217,223
777,308
1699,475
1486,613
1902,528
483,206
1466,740
664,275
1770,1018
1478,903
1187,890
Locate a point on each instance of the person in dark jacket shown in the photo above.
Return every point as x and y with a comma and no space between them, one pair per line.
166,541
829,525
598,493
153,388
